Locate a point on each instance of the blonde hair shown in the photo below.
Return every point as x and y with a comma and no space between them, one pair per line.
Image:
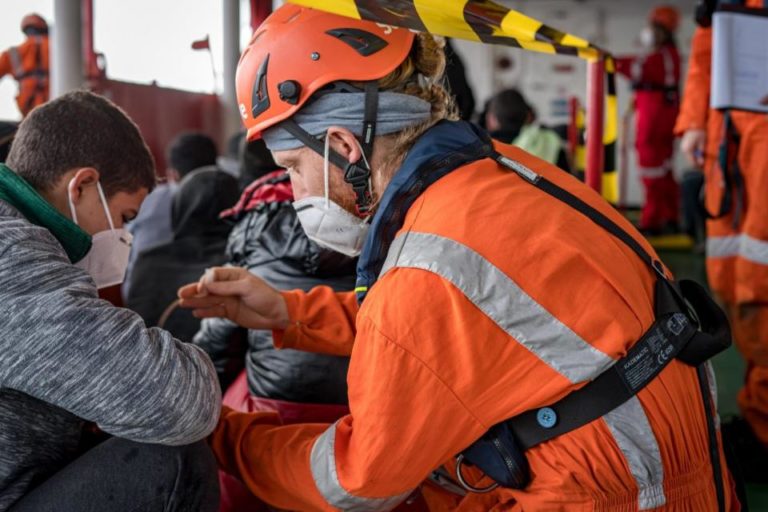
420,75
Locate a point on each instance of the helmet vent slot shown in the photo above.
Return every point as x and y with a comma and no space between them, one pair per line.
260,95
363,42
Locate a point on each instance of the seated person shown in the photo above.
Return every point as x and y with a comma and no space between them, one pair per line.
466,310
269,241
199,240
255,162
511,120
79,169
152,227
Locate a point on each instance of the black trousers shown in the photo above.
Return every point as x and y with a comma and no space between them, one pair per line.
124,476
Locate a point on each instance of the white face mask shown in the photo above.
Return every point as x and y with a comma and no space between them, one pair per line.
647,38
328,224
108,258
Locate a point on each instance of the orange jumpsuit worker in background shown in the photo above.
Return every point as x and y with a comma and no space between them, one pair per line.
477,311
28,64
656,82
737,242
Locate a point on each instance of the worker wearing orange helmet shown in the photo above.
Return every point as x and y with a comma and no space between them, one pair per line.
729,146
655,77
28,64
504,313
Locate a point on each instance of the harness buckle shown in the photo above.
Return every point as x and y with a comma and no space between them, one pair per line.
467,486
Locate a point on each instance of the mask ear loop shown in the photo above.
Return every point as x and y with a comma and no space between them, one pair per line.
365,159
104,205
72,211
327,169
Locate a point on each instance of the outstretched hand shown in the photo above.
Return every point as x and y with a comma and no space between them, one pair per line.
235,294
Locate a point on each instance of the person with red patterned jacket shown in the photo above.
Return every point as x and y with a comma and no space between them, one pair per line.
268,240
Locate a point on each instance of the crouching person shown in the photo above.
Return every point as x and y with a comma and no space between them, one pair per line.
470,351
77,171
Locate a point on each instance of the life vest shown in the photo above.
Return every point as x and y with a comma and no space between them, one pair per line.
37,74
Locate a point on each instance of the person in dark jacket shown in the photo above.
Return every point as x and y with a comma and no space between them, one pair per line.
199,242
269,241
152,227
7,132
300,386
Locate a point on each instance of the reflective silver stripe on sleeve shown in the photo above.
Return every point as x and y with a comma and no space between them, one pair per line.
503,301
669,67
636,440
17,70
744,246
323,465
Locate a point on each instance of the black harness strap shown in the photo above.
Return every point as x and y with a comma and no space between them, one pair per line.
577,204
39,74
733,182
357,174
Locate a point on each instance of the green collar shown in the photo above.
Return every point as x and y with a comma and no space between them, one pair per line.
19,194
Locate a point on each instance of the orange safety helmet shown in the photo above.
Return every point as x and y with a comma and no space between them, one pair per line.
34,22
298,50
666,16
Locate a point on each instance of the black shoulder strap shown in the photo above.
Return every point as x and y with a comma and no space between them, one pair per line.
577,204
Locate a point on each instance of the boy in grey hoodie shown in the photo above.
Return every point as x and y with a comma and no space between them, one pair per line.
78,169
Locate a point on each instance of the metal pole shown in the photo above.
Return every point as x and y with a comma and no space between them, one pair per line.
231,50
89,53
595,124
573,130
67,49
260,9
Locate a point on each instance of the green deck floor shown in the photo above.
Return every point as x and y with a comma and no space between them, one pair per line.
729,366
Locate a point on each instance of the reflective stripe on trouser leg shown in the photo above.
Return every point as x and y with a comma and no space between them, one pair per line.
503,301
744,246
636,440
323,465
653,172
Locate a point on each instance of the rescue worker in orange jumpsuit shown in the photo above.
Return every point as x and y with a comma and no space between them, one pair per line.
28,64
655,79
480,297
730,147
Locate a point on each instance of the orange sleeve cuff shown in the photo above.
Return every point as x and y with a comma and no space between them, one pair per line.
321,321
288,337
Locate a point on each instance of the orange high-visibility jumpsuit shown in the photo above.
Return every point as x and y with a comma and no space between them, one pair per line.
737,253
28,64
487,307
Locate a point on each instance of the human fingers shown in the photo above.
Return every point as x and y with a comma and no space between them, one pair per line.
188,291
195,302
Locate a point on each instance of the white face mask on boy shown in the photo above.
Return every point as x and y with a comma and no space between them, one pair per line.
107,260
328,224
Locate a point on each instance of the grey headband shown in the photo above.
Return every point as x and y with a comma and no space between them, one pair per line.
396,113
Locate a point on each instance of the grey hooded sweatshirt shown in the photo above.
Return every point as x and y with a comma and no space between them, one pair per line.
67,357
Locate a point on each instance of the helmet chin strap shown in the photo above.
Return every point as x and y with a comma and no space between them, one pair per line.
357,174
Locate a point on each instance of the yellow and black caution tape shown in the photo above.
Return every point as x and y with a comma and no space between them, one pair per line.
610,134
489,22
